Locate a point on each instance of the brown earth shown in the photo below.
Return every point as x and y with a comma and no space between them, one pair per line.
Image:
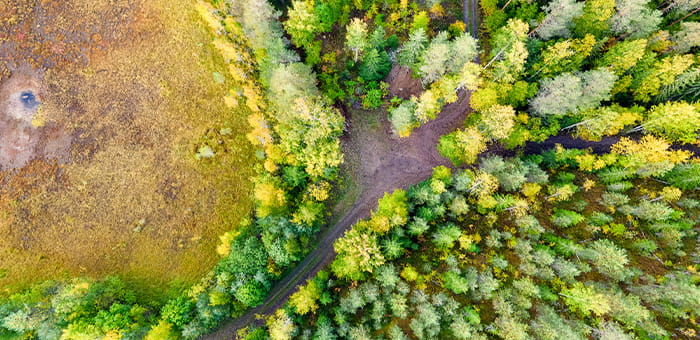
111,185
402,84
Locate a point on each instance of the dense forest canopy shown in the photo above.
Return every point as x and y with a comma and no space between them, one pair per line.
559,243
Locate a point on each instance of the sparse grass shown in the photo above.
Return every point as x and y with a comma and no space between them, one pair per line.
134,201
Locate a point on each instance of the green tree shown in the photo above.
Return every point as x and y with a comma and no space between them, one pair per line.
559,18
375,65
610,260
411,51
302,22
594,19
635,17
586,300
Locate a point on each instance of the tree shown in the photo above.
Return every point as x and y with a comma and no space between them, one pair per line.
446,236
281,326
635,17
497,121
564,56
594,19
302,22
435,58
568,93
356,37
304,300
687,38
412,50
610,260
462,146
559,18
648,157
358,252
463,50
685,176
676,121
508,53
664,72
456,283
375,65
289,82
623,56
585,300
392,211
403,118
605,121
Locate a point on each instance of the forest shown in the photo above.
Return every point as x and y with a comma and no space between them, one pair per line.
520,231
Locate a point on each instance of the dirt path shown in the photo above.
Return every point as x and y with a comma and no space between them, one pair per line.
382,162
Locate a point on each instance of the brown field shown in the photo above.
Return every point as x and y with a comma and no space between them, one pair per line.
102,178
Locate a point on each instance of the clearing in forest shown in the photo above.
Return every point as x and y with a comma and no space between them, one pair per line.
119,154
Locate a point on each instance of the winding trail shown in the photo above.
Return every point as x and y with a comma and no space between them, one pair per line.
381,162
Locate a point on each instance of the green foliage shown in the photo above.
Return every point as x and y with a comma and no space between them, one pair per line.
462,146
566,218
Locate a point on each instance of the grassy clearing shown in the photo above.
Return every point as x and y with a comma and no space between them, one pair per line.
134,201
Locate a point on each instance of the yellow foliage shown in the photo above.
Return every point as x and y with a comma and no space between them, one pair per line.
320,191
437,10
224,248
205,11
670,194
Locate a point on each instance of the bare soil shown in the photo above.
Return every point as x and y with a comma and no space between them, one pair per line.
402,84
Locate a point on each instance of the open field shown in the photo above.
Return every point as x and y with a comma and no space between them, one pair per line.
130,91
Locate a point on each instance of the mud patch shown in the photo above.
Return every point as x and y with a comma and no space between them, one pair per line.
22,138
402,84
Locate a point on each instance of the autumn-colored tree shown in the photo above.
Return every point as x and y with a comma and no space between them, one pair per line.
564,56
462,146
676,121
605,121
664,72
305,299
356,37
302,22
650,156
358,253
623,55
497,121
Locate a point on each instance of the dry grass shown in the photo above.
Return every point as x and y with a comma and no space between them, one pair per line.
133,201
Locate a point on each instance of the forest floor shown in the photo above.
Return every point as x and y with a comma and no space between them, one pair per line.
379,162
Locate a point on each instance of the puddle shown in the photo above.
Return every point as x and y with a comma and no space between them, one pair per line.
103,106
22,139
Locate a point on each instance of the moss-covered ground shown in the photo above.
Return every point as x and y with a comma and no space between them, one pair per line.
159,164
